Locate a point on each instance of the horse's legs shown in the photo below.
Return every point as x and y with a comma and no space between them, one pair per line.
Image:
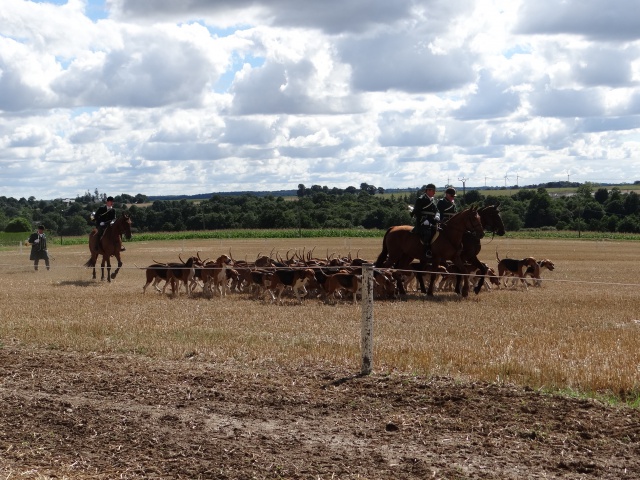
432,281
423,289
465,286
94,273
462,277
483,270
119,265
422,267
105,260
392,262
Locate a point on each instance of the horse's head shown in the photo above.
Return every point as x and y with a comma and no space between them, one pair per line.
125,225
491,219
473,222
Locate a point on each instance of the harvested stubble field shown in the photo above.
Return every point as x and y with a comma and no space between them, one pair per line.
101,381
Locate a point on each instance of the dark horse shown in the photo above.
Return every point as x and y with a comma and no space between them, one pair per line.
491,222
109,245
400,246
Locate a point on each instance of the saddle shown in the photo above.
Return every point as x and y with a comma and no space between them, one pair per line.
433,233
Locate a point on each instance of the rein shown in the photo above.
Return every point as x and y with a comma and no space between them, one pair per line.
461,228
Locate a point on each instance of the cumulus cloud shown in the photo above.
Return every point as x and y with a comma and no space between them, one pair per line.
194,96
596,19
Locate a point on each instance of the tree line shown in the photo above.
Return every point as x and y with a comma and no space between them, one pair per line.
590,208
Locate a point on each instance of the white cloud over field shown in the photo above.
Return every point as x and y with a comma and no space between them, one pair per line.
184,97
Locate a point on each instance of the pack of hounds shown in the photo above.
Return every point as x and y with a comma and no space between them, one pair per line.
300,275
511,272
303,276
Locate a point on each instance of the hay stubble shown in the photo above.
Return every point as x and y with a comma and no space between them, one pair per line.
579,331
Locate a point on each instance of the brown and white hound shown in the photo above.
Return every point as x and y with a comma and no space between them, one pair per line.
511,267
546,263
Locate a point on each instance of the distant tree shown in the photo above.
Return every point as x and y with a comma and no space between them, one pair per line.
139,198
631,203
18,224
629,224
524,194
615,206
540,211
592,210
512,222
601,195
301,190
615,194
585,191
375,219
75,225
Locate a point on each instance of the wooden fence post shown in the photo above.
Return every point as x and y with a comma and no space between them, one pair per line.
366,337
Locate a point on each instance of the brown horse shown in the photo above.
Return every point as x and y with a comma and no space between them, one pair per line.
400,246
491,222
109,245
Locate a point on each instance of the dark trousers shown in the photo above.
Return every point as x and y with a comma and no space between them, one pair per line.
46,262
424,231
99,236
41,256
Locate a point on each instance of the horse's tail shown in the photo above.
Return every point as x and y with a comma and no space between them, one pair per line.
385,253
90,263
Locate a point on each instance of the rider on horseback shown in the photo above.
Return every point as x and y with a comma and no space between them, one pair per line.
103,217
447,204
427,216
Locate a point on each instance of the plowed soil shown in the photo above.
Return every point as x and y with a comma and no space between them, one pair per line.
72,415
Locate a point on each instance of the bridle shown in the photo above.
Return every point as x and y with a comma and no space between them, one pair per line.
475,226
471,223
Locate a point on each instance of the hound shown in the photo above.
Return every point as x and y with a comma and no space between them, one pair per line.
260,280
156,273
490,278
181,273
296,279
516,268
546,263
335,282
384,285
214,275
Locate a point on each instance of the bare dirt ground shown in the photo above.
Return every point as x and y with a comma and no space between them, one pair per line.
73,415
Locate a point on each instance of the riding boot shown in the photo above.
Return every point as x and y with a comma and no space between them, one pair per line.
97,240
427,245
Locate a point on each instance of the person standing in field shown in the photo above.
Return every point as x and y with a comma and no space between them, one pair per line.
38,241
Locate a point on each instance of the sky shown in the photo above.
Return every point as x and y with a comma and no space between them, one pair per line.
170,97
